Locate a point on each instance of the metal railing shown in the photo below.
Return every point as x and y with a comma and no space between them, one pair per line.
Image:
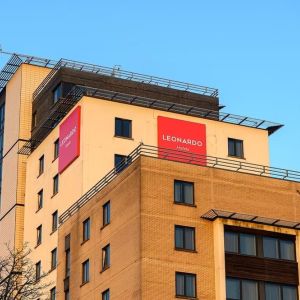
185,157
127,75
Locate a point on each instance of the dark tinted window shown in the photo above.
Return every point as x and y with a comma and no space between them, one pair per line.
270,246
53,294
123,127
86,230
184,237
38,270
235,148
105,295
39,235
231,242
233,289
184,192
247,244
121,162
287,249
53,258
40,199
106,257
86,271
54,221
57,93
56,149
185,285
55,184
106,213
41,164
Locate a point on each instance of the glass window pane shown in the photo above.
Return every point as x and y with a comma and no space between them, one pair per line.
177,191
231,242
249,290
272,291
232,289
188,193
178,237
270,247
180,284
247,244
190,286
239,148
189,239
126,128
118,127
289,292
287,250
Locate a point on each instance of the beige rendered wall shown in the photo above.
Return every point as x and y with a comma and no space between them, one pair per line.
17,126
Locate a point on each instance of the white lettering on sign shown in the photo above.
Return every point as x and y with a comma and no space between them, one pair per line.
67,138
176,139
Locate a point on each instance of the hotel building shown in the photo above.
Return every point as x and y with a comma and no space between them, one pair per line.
128,186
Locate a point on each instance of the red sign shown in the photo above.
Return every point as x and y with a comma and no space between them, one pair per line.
69,140
187,137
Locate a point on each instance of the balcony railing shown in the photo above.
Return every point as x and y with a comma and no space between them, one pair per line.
181,156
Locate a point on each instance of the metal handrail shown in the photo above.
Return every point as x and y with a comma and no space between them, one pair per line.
181,156
127,75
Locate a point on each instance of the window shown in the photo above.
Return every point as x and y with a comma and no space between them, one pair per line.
106,257
185,285
278,248
34,120
123,127
235,148
56,149
68,255
184,238
184,192
86,230
241,289
53,259
105,295
39,235
53,294
55,184
67,295
38,270
41,165
54,221
57,93
121,162
85,272
106,213
259,245
40,199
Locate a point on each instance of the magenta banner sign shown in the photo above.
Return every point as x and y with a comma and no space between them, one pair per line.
69,140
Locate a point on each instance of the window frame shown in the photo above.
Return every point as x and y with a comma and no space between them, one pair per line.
259,236
56,149
39,235
105,258
54,221
55,185
122,135
184,233
106,213
40,203
182,182
185,292
54,259
86,234
85,272
235,154
105,294
38,270
41,165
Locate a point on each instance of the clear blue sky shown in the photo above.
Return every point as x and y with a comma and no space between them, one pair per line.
250,50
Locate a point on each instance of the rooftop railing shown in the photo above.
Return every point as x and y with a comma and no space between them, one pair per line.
185,157
122,74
